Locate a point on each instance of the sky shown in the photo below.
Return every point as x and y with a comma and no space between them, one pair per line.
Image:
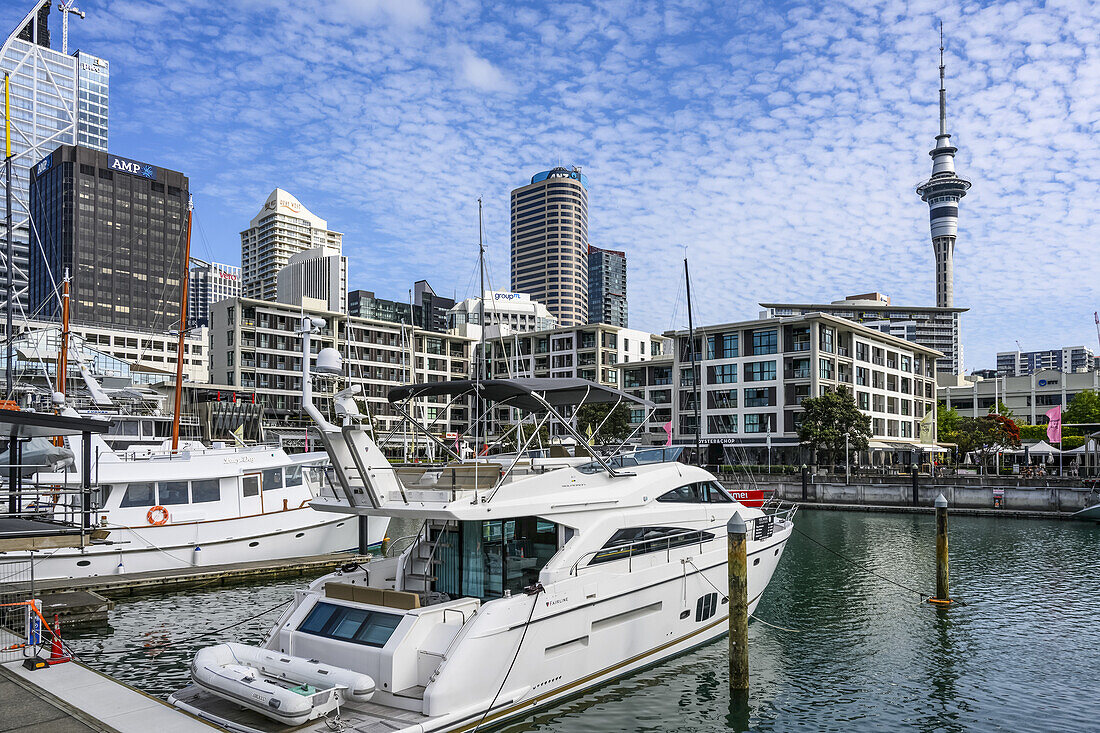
775,145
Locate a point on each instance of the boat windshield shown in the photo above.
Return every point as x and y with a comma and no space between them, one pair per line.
636,458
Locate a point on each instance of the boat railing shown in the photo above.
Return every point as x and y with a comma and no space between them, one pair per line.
185,453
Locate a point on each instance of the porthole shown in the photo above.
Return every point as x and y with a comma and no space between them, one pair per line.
83,563
341,524
253,544
756,561
684,614
300,534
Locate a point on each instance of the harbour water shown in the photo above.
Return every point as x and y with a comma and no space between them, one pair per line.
837,646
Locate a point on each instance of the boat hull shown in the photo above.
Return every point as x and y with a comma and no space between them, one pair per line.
267,537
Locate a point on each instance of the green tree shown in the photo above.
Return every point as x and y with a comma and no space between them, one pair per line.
830,417
1084,408
517,438
1002,409
616,429
986,435
947,423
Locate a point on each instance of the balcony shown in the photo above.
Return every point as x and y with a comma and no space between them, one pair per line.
796,373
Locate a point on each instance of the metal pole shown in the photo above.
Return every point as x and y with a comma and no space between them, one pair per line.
10,251
916,483
847,462
943,595
186,275
805,480
86,483
696,376
737,534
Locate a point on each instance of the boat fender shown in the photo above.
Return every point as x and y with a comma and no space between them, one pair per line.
157,516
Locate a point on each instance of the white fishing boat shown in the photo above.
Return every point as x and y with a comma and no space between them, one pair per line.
526,584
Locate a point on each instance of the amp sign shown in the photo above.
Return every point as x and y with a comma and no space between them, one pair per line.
132,167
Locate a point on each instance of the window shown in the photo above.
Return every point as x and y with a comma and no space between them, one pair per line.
722,399
760,397
825,340
722,424
862,352
706,606
764,342
250,485
722,374
356,625
864,400
760,423
641,540
138,495
172,492
722,346
759,371
825,368
206,490
294,476
861,376
272,478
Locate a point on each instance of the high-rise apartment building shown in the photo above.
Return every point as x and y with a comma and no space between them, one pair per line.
315,279
607,287
56,99
210,282
1065,359
118,226
550,243
282,228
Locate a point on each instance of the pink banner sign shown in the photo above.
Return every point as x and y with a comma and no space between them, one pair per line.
668,429
1054,427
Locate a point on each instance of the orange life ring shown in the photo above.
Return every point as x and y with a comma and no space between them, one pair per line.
158,520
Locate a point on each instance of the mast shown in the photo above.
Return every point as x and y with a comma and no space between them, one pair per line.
186,274
694,366
63,357
481,323
10,252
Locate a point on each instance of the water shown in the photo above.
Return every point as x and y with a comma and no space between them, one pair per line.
861,654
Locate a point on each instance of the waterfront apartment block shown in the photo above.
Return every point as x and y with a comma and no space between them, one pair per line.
591,352
607,287
257,345
282,228
57,98
1027,396
117,226
550,243
1065,359
932,327
753,376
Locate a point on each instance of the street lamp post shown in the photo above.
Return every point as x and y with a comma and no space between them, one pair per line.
847,463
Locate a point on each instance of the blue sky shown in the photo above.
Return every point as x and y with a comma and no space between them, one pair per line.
778,144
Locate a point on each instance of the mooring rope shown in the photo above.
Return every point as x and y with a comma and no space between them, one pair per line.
857,563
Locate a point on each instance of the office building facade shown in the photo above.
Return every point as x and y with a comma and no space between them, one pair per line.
607,287
549,228
315,280
282,228
425,309
509,312
210,282
1027,396
932,327
753,376
118,226
56,99
1065,359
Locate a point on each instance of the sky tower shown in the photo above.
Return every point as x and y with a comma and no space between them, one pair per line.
942,193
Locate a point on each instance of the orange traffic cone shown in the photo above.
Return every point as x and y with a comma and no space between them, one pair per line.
57,651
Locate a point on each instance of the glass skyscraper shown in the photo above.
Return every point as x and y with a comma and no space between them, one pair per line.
54,97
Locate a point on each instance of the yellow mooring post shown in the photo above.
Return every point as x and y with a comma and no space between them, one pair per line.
943,595
737,532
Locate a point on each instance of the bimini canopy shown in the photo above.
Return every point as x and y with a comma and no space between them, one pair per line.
521,393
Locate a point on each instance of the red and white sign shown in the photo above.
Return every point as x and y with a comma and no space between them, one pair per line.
750,497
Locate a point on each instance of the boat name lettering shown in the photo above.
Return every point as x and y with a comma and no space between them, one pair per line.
557,602
239,459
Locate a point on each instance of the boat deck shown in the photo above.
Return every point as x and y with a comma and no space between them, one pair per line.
360,717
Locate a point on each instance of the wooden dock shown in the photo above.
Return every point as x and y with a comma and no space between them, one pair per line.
73,698
120,586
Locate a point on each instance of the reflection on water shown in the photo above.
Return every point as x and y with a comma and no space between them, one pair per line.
864,655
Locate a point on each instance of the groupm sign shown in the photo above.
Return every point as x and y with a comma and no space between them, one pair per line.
509,297
132,167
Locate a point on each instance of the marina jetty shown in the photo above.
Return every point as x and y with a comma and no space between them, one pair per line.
1051,497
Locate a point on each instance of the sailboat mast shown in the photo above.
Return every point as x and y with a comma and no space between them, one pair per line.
186,275
695,376
63,357
481,322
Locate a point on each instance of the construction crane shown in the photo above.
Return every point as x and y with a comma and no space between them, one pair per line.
66,8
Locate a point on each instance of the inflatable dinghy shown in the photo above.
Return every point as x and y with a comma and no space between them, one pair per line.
281,687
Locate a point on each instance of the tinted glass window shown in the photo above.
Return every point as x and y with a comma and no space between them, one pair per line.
294,476
273,479
250,485
172,492
635,541
138,495
357,625
681,494
713,493
207,490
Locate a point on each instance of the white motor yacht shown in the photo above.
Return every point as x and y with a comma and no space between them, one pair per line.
525,585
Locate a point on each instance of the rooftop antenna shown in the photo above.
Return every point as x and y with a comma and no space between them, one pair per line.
67,8
943,89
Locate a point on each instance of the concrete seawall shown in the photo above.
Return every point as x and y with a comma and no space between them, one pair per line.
1033,496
